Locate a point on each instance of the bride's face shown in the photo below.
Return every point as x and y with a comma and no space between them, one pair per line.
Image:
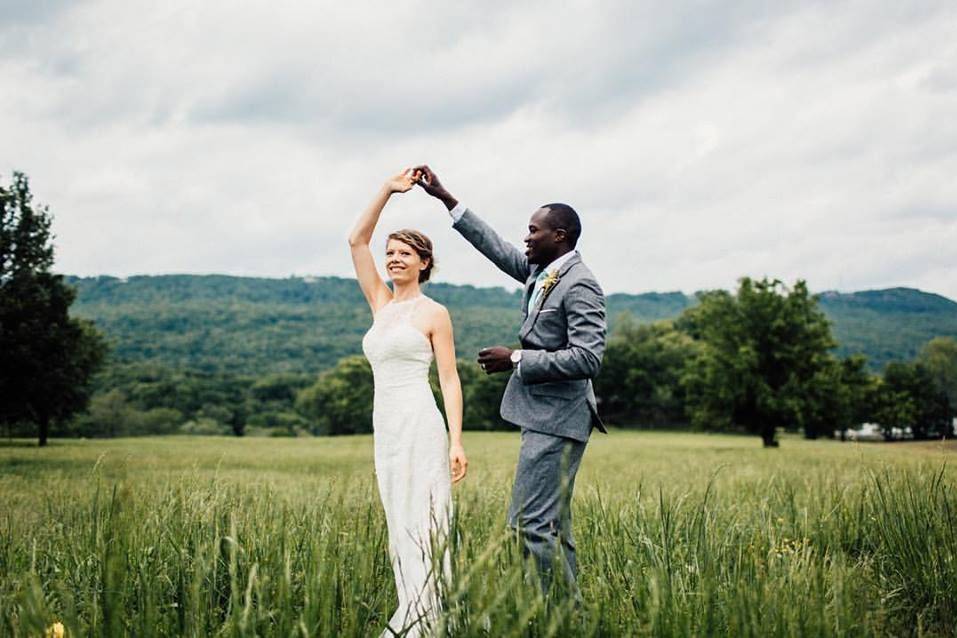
402,262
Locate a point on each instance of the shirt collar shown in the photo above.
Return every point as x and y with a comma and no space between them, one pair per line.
557,263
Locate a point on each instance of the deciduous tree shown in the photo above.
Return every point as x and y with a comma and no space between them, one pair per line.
762,348
48,357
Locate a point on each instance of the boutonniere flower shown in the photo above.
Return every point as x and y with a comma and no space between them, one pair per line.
547,284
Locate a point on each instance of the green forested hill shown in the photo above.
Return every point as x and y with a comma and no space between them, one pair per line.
218,323
889,324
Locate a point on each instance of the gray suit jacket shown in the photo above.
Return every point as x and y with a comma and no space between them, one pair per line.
563,339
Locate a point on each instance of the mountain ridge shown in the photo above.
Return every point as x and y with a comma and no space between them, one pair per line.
259,324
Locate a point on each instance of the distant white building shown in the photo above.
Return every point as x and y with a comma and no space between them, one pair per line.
874,432
866,432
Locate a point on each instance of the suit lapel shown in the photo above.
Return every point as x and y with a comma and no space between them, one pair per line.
533,316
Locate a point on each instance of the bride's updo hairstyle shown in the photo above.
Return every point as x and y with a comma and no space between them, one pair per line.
420,244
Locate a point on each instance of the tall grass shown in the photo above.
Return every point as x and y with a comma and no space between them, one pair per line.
677,535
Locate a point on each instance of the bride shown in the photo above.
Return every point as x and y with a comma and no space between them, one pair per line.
414,462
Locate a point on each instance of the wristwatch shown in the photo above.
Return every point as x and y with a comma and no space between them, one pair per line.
516,358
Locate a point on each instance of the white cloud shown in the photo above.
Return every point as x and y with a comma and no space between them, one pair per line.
699,143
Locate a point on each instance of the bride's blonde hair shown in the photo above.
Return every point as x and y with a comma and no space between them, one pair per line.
421,245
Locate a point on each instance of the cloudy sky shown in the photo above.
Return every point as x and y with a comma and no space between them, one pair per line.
699,142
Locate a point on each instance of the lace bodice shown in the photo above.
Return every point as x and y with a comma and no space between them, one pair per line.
399,353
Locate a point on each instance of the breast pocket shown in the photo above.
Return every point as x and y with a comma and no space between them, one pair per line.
551,328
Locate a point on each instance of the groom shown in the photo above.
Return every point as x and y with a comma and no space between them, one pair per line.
549,394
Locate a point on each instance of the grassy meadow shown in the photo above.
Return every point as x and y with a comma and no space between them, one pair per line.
678,535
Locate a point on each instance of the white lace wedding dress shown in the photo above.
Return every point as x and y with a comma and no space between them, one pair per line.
411,460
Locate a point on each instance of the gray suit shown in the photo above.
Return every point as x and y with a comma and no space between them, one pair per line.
550,397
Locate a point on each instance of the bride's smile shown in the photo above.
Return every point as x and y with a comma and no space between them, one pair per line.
402,261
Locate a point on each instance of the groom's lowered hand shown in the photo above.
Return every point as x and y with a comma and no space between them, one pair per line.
495,359
430,183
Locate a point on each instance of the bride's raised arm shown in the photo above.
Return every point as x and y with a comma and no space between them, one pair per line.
374,289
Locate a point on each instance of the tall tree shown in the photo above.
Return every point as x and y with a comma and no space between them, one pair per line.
909,397
340,401
761,349
482,396
48,358
939,357
640,380
838,397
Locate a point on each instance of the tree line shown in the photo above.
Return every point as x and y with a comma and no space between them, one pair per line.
756,360
762,359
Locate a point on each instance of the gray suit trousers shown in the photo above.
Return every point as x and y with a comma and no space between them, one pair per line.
541,504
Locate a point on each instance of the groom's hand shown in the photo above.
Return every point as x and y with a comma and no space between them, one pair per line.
430,183
495,359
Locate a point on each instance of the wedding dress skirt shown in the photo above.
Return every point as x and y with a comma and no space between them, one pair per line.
411,462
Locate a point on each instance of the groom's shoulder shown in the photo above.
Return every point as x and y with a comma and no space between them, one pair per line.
584,286
583,275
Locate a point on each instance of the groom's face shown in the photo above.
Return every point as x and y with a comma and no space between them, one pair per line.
542,242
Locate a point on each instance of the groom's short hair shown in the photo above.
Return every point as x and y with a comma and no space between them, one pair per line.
564,216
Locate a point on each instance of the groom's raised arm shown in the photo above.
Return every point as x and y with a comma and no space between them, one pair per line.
503,254
506,256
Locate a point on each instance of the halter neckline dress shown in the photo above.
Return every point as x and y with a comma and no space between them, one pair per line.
411,460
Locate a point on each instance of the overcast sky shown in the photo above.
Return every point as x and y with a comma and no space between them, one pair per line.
699,141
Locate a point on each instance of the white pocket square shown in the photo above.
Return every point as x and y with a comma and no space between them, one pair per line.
541,312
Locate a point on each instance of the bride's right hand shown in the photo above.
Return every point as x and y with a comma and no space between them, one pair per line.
401,182
458,463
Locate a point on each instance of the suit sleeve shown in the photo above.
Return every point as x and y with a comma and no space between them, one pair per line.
581,359
506,256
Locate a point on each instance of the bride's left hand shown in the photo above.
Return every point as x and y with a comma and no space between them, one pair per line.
458,463
402,182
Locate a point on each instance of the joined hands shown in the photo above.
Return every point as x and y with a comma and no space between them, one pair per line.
430,183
